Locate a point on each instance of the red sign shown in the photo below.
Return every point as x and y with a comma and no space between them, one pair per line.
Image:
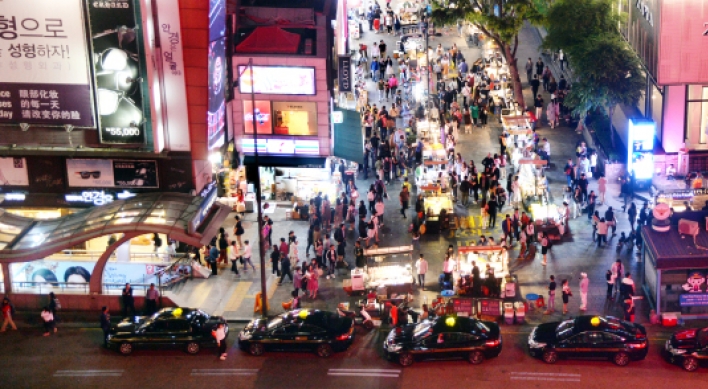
264,117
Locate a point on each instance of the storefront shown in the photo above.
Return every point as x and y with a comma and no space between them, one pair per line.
389,271
675,269
489,260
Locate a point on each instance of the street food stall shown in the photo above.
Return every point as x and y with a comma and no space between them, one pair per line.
429,131
433,173
677,199
531,182
496,257
438,211
389,271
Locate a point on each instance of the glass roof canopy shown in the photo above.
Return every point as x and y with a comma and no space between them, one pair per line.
167,210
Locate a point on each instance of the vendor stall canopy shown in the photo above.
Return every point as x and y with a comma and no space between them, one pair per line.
168,213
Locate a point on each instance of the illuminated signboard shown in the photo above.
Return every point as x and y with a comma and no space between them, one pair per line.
281,147
640,158
278,80
264,119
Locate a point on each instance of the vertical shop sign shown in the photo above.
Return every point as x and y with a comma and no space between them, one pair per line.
44,64
345,73
175,96
120,71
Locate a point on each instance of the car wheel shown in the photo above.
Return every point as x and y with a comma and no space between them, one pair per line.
256,349
192,348
476,357
125,348
550,356
621,359
324,350
690,364
405,359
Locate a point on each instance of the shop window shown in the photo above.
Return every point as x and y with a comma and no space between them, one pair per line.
295,118
697,112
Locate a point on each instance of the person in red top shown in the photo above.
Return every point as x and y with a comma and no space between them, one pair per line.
284,248
532,118
7,315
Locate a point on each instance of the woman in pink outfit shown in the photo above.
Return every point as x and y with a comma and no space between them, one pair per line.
313,282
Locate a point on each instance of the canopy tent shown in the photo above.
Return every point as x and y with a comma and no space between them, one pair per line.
270,39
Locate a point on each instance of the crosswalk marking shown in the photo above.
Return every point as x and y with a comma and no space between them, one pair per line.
223,372
534,376
88,373
383,373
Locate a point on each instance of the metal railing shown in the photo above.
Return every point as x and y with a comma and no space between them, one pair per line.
93,255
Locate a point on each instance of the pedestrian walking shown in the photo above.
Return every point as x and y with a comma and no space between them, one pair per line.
627,289
421,266
105,321
584,285
151,296
285,265
602,187
48,321
220,335
312,277
535,84
538,104
544,247
617,271
213,254
232,254
248,253
601,231
128,300
529,70
551,295
567,293
223,246
404,197
632,215
275,261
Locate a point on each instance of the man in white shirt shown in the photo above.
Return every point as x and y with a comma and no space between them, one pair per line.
421,266
247,256
232,254
547,150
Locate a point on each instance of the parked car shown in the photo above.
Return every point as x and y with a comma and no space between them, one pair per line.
591,337
303,329
186,328
688,348
444,337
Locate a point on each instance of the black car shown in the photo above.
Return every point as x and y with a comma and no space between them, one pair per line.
185,328
302,330
688,348
589,337
445,337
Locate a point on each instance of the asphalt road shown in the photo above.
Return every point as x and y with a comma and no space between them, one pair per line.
74,359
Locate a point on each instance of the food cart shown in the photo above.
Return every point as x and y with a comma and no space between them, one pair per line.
494,256
389,271
530,180
438,210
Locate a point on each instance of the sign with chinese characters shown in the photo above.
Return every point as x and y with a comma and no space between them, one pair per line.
107,173
175,92
120,71
13,172
44,67
278,80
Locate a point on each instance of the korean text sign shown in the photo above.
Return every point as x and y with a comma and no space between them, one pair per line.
44,67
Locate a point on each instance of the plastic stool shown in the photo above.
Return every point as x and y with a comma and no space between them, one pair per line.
531,297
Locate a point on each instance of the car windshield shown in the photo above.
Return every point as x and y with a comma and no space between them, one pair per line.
482,326
421,330
564,329
275,322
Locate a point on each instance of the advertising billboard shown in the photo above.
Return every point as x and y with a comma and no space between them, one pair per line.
44,67
216,116
174,96
81,272
217,19
683,42
13,172
107,173
120,71
641,154
278,80
264,118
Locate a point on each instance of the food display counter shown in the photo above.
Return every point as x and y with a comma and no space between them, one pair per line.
530,180
434,151
438,210
389,270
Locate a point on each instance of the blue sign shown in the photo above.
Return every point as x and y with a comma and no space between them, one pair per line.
208,199
693,300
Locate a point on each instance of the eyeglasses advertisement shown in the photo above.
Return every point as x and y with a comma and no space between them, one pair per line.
44,67
106,173
120,72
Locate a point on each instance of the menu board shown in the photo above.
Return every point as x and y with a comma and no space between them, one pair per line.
463,306
490,307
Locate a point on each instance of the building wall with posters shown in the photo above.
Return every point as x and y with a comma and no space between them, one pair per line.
670,38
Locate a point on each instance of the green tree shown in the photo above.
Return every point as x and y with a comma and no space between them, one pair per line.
571,22
503,27
609,73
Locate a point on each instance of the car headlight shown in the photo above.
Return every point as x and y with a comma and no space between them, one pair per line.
244,335
535,344
109,337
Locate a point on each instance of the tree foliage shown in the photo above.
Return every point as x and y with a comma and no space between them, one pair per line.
571,22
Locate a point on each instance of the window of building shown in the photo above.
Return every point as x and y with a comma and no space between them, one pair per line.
697,112
295,118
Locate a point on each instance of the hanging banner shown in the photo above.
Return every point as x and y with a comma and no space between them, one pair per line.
175,90
120,71
345,73
135,174
44,64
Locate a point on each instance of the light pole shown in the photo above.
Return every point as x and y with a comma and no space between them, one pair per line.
261,243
